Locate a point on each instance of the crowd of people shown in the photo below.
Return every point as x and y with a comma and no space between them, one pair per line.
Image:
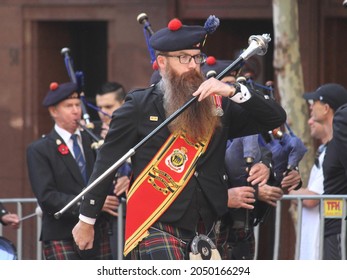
197,188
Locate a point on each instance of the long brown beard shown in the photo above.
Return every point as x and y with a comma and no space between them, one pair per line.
198,119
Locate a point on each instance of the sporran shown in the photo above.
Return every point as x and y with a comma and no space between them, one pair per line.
202,248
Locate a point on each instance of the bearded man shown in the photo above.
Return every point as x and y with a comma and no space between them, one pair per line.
179,184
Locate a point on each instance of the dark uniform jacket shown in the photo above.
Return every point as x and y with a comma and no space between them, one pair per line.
141,113
335,165
55,180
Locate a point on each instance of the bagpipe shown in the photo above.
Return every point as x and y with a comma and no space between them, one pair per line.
142,18
240,155
77,77
148,32
287,149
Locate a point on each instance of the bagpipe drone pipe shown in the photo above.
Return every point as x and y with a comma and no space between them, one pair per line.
286,147
77,77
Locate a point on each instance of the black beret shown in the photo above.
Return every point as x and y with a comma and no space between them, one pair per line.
58,93
177,37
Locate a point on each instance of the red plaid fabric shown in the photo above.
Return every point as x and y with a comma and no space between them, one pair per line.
65,249
166,242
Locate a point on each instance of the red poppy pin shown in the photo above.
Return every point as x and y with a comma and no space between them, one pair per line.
62,148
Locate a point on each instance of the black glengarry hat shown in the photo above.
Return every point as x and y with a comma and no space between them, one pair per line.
335,95
58,93
177,36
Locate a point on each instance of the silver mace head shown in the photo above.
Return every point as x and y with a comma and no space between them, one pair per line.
257,45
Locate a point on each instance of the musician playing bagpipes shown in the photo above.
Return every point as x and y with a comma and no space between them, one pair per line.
179,188
287,151
109,98
59,166
286,148
249,166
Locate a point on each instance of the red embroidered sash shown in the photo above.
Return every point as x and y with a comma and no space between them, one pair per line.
159,184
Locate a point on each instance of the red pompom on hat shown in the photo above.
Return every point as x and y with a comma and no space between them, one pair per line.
155,65
211,60
53,86
174,24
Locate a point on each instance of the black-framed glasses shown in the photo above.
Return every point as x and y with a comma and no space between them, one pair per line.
186,58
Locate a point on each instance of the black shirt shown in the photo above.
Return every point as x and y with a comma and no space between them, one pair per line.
335,165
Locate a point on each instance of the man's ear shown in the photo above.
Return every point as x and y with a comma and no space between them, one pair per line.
52,110
161,61
328,108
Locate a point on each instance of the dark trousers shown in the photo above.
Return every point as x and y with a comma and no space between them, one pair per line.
332,247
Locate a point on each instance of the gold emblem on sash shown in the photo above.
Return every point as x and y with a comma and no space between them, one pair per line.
176,161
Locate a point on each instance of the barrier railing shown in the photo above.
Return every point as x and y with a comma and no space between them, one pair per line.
331,206
21,204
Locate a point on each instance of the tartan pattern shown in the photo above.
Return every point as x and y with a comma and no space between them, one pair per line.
105,247
59,250
65,249
166,242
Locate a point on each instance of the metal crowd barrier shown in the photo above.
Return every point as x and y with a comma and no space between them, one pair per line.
21,203
337,202
331,206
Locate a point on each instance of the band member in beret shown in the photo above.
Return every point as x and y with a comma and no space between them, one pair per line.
59,166
248,167
179,187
